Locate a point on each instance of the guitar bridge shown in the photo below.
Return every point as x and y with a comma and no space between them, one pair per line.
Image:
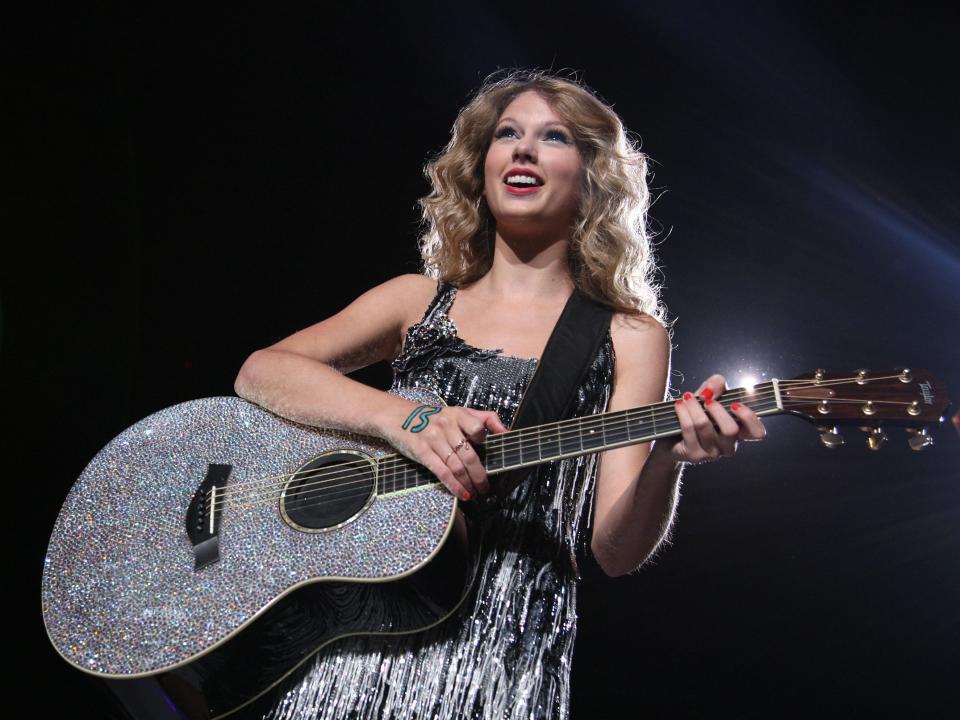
204,516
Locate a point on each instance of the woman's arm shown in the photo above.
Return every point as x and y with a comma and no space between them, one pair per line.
301,378
637,488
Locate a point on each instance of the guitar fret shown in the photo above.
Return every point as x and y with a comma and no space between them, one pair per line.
569,442
592,440
616,431
528,452
550,441
513,456
637,425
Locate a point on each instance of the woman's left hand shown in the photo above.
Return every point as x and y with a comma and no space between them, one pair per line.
711,431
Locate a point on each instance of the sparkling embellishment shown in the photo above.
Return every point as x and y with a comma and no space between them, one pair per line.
122,562
507,653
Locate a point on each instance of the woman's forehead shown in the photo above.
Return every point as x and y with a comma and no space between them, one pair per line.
530,102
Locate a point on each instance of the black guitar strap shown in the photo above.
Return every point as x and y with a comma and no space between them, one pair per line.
551,394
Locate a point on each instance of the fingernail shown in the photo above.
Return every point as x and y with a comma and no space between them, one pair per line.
466,495
736,406
708,401
678,402
707,394
688,396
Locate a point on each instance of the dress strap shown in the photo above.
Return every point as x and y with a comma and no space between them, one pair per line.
441,301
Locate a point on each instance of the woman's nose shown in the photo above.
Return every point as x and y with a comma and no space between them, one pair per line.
525,147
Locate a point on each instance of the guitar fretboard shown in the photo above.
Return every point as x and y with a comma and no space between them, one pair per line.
576,436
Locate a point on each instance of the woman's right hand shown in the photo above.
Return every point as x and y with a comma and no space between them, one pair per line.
439,437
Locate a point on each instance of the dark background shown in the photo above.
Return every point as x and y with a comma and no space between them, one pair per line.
189,185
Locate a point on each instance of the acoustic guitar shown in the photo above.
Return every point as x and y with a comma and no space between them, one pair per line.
210,550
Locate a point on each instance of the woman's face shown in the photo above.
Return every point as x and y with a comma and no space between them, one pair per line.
533,171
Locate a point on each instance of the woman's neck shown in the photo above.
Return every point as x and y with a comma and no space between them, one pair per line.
529,269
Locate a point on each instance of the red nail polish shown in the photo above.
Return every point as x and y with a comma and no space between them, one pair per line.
707,394
466,495
678,402
736,406
688,396
708,401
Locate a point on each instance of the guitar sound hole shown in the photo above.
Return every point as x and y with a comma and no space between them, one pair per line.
329,490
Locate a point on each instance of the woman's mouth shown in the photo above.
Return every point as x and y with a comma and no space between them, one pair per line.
513,190
522,182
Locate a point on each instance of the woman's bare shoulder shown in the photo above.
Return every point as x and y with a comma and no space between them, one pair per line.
639,342
414,293
419,286
369,329
638,327
400,296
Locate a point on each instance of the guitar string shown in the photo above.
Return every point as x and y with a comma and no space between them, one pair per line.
607,425
849,400
336,474
516,438
312,488
328,496
521,436
269,494
339,473
345,491
575,430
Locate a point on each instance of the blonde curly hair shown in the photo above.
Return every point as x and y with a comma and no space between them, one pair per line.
611,254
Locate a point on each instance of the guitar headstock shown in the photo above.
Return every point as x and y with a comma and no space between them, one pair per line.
870,400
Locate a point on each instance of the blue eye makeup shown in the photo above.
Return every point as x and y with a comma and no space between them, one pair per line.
558,135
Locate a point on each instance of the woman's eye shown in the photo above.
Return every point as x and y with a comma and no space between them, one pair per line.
557,135
505,132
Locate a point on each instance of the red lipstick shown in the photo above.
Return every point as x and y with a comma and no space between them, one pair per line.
524,189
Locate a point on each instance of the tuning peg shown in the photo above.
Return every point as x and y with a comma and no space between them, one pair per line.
919,439
876,438
830,437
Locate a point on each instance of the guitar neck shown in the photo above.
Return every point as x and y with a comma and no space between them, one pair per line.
595,433
539,444
871,401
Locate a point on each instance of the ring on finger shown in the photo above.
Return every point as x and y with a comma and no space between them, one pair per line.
463,441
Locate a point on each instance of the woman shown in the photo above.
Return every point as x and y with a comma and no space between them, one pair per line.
539,191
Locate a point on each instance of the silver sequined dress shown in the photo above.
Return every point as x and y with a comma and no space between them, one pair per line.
507,652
